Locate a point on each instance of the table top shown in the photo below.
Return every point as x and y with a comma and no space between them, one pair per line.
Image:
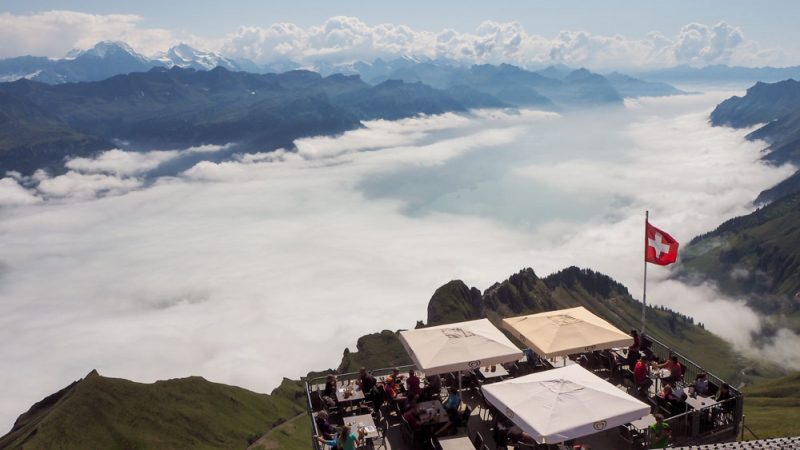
440,415
700,402
456,443
362,421
644,422
660,373
499,372
355,395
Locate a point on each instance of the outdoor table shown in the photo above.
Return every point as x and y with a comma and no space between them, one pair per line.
499,373
364,421
700,402
644,422
456,443
349,394
658,375
440,415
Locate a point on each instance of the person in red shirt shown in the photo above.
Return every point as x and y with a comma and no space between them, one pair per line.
413,383
640,378
675,370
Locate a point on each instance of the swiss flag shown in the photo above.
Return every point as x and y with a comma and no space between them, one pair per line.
660,248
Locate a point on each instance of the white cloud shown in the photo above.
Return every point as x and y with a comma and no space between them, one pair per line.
119,162
345,39
54,33
12,193
268,265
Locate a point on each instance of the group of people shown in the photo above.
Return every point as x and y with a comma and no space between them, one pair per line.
404,392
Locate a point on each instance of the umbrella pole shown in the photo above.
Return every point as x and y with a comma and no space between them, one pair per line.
459,382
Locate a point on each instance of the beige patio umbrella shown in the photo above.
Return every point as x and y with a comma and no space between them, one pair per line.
565,332
456,347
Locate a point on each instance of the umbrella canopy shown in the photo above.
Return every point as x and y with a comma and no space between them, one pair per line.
561,404
566,331
458,346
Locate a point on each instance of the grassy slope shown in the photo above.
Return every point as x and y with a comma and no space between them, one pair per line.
757,256
188,413
771,408
295,434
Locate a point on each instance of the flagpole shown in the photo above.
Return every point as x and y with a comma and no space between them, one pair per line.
644,284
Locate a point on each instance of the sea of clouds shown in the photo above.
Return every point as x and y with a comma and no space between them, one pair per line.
268,265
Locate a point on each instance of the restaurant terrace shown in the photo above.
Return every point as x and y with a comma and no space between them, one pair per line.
573,385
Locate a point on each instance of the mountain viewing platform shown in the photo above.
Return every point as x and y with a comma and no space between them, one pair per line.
571,394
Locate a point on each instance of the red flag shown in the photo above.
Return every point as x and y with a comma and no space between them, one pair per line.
660,248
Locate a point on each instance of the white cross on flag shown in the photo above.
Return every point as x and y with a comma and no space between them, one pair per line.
660,248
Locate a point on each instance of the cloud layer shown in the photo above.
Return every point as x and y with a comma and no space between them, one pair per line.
267,265
343,39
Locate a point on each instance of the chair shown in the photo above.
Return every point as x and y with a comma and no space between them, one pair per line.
478,441
380,441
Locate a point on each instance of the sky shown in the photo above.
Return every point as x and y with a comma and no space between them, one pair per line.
270,264
599,35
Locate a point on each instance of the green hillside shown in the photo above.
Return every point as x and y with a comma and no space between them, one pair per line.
770,407
756,256
189,413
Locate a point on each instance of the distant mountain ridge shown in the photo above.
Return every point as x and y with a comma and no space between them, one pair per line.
178,108
109,58
777,105
553,87
720,73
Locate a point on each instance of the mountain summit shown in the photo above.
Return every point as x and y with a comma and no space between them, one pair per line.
182,55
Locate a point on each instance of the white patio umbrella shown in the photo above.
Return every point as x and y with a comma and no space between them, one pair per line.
566,331
458,346
565,403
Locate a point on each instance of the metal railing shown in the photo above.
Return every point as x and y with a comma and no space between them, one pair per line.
718,421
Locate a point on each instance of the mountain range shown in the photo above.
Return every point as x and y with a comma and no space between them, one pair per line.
106,59
777,107
757,256
162,108
720,74
177,108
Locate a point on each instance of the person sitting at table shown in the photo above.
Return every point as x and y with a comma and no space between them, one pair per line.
329,394
640,378
675,370
413,383
672,398
660,432
324,426
725,394
391,390
433,387
347,440
700,385
451,405
394,378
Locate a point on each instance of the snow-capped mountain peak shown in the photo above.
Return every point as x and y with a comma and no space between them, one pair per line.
107,49
182,55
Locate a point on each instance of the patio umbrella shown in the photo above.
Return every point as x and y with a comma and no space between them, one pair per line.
565,403
566,331
458,346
